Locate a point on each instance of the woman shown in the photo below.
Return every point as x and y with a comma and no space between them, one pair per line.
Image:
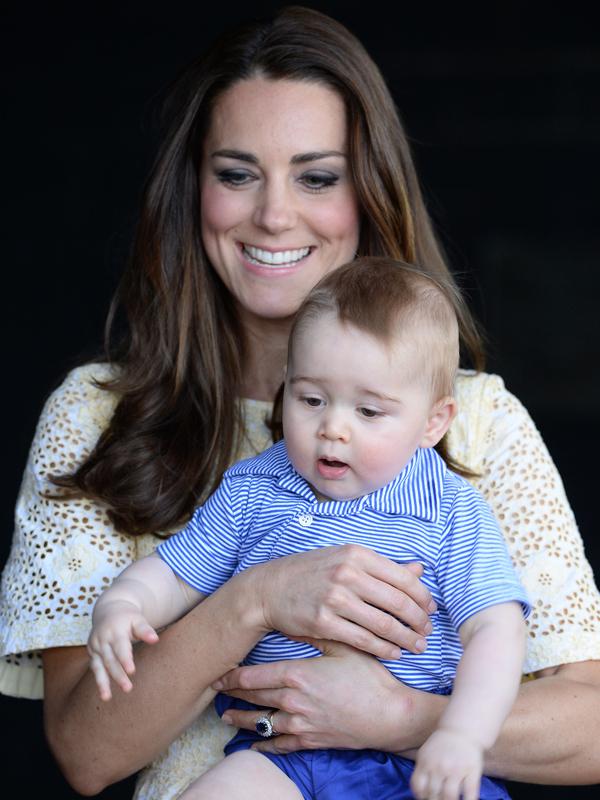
301,163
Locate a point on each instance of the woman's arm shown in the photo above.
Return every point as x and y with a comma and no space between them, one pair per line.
99,743
327,592
552,735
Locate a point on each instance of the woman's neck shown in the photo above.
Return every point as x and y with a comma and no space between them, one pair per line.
265,357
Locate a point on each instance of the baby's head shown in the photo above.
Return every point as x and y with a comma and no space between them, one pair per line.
372,358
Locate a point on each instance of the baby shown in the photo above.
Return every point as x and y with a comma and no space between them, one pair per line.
368,394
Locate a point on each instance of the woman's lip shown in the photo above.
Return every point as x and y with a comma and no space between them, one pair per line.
279,249
269,270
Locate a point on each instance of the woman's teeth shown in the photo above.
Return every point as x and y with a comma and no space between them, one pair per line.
278,258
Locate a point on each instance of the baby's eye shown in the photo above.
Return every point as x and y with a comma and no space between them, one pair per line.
235,177
318,181
369,412
313,402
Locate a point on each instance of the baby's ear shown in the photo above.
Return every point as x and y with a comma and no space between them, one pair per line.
441,415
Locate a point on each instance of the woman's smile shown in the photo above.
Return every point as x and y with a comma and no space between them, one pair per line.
274,259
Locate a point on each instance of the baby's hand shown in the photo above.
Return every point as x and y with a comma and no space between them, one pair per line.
116,624
447,765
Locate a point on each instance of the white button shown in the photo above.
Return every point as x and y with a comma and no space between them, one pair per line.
305,520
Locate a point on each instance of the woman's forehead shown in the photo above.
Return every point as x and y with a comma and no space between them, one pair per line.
299,116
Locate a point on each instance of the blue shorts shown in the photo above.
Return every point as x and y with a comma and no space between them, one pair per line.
344,774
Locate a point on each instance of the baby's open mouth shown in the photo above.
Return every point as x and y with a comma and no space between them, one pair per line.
332,462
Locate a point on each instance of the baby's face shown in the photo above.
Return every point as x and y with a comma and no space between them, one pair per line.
354,411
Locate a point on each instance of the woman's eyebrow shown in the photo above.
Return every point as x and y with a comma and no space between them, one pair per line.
302,158
238,155
299,158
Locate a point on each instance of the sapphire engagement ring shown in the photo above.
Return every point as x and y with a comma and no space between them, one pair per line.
264,725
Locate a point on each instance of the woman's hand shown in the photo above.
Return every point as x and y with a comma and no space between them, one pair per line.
345,699
349,594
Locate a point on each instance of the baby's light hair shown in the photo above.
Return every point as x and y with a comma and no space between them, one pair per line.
392,300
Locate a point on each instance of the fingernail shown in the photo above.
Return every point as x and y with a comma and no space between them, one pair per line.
428,627
227,719
432,607
421,645
217,685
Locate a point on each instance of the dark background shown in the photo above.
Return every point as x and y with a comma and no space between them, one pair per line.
502,107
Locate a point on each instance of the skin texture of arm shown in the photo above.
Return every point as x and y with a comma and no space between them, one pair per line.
327,591
551,736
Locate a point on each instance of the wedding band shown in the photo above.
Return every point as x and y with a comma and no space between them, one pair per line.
264,725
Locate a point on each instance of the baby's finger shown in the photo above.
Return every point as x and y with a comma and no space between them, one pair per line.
124,653
144,632
470,786
101,676
451,789
419,783
115,669
434,789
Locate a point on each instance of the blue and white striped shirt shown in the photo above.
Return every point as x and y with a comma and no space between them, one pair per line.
263,510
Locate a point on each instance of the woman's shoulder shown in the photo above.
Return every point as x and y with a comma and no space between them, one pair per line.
481,399
83,393
65,549
73,417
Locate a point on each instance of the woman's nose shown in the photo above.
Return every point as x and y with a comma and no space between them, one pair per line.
275,211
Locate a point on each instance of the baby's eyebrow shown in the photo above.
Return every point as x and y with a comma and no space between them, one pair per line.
379,395
304,378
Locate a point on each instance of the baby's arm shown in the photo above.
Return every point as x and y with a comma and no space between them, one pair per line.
485,688
145,596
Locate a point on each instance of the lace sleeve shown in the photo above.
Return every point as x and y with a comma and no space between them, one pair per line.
64,551
495,436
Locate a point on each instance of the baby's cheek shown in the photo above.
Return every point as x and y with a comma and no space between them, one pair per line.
383,460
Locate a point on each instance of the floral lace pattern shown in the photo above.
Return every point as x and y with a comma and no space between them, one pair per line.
65,551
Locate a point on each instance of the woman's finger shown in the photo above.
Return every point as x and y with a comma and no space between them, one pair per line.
280,744
257,676
397,603
376,631
403,577
247,720
267,698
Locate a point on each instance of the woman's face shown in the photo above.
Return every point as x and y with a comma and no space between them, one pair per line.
278,208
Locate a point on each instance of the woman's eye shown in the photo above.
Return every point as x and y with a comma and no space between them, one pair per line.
369,412
318,181
235,177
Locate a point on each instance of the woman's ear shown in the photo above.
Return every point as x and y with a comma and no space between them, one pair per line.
441,415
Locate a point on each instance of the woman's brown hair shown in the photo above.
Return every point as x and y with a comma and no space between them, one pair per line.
178,369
